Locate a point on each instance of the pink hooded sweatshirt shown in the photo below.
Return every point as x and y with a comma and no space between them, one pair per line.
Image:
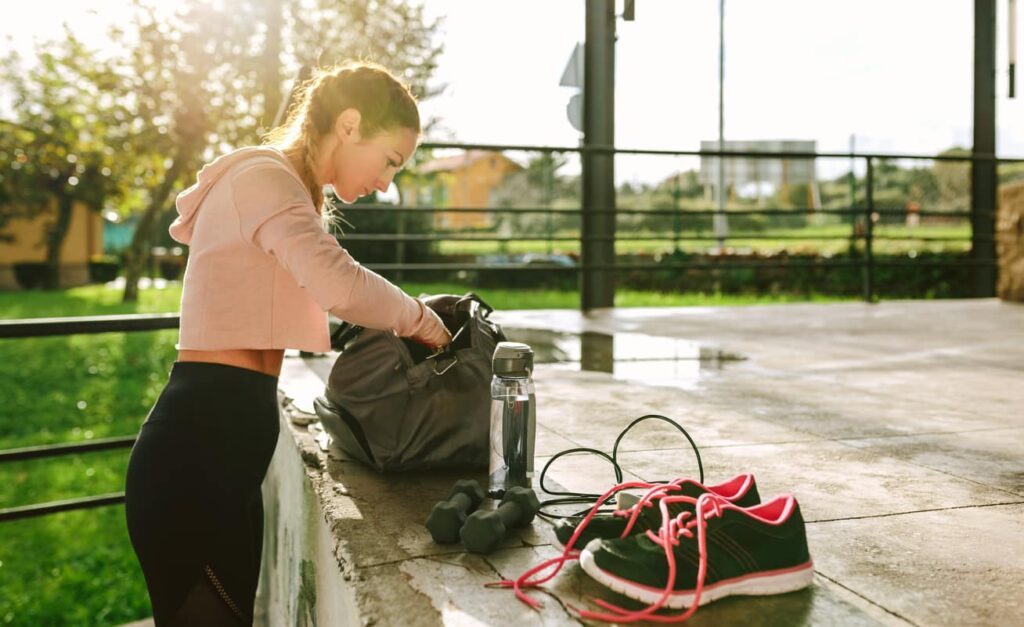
262,271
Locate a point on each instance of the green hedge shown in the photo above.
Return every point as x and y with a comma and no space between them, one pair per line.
925,275
31,274
104,270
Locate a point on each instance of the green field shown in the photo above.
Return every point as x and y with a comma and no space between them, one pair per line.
77,568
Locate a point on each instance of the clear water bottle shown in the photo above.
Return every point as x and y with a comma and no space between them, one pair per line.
513,419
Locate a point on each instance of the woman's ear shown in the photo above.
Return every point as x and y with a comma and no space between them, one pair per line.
346,126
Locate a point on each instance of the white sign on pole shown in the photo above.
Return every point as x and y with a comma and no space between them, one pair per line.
575,111
572,76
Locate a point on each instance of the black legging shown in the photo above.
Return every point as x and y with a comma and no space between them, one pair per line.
192,492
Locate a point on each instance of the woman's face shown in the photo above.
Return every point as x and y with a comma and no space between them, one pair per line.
359,165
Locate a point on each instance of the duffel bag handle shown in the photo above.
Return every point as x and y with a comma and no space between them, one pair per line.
344,334
447,351
473,296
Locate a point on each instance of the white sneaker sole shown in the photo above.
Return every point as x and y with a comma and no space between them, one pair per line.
761,583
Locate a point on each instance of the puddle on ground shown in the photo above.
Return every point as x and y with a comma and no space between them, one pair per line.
628,356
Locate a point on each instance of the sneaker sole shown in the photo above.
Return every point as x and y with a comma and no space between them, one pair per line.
754,584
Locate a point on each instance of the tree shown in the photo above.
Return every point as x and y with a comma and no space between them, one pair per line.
209,78
188,86
57,151
393,33
538,185
12,158
923,187
178,84
954,181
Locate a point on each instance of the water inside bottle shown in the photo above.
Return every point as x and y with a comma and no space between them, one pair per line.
510,462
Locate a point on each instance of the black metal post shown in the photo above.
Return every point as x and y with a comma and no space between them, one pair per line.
597,287
983,169
677,218
869,232
400,246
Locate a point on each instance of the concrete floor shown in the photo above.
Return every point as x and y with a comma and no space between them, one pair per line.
898,426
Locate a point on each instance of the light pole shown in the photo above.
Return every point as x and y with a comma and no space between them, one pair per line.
721,226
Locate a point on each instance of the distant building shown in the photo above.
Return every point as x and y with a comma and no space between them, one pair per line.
84,240
460,181
760,176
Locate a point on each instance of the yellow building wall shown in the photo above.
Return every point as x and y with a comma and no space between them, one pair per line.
84,240
468,186
471,186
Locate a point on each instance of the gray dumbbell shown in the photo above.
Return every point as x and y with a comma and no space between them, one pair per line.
447,517
485,530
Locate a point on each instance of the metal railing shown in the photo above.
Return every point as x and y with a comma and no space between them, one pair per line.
982,249
49,327
43,327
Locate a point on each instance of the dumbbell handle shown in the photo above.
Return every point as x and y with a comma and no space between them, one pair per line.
510,514
461,502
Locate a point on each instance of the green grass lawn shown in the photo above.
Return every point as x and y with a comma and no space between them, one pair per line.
507,299
74,568
77,568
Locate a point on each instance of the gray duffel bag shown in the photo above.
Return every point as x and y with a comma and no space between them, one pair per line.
394,404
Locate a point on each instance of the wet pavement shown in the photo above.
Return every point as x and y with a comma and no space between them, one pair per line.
649,359
899,427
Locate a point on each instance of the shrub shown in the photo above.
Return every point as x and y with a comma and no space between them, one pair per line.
103,268
31,274
170,269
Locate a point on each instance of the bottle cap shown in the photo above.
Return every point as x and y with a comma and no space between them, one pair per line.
512,359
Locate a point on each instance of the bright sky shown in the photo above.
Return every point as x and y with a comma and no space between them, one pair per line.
896,74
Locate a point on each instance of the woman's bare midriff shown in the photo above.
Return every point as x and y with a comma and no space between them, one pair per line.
267,361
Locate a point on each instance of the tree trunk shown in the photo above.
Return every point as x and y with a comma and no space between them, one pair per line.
138,252
55,241
270,63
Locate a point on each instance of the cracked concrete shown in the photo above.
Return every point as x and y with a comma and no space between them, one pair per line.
898,426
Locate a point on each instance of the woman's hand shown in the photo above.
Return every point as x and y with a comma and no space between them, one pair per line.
431,331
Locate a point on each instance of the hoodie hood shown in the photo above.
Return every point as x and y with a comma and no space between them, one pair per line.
189,200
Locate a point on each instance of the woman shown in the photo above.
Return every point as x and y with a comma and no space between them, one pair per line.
261,274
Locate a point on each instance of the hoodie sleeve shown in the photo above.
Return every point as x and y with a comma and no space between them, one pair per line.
276,214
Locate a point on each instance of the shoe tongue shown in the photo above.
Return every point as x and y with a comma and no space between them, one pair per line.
625,500
652,515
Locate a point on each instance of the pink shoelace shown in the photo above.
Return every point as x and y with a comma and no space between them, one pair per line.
706,506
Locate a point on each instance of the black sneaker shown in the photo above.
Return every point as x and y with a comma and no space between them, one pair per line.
741,490
754,551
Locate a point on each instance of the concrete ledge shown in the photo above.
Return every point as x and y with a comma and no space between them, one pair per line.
897,426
